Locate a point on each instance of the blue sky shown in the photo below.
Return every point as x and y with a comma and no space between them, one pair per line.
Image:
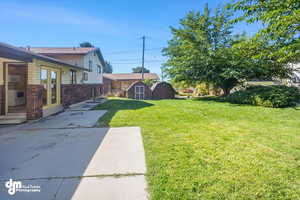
114,26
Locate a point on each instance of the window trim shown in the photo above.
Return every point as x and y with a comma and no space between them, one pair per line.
58,86
99,69
90,66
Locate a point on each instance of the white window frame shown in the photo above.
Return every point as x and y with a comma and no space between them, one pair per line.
139,91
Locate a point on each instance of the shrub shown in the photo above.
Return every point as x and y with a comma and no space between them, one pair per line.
276,96
201,89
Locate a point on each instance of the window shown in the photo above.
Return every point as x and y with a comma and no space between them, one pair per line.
90,66
85,76
139,92
99,69
44,80
53,87
73,77
50,78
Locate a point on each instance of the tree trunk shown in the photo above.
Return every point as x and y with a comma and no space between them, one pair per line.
226,91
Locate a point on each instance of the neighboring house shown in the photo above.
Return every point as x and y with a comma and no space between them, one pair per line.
295,79
117,84
34,85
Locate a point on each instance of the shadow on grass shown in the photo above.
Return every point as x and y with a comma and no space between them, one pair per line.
114,105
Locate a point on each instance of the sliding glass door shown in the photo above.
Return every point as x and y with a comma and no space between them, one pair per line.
50,79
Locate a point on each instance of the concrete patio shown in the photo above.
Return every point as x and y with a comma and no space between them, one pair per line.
68,158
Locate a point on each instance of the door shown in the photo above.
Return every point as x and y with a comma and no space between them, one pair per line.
50,79
139,92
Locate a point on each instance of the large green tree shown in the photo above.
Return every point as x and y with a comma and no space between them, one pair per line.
279,38
86,44
203,49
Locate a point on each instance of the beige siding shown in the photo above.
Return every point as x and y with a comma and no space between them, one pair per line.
65,76
34,74
76,60
94,77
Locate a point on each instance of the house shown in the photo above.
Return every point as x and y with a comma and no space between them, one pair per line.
117,84
88,81
295,79
37,82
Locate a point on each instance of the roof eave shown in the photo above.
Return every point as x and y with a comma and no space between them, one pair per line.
15,53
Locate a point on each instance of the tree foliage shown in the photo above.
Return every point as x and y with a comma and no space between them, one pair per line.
139,70
107,68
279,39
203,49
149,82
86,44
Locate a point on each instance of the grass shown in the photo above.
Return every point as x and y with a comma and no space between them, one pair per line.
198,149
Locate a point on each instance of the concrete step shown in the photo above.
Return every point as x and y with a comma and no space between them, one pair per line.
4,117
12,121
16,114
13,118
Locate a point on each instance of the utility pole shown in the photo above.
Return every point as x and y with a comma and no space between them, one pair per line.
143,58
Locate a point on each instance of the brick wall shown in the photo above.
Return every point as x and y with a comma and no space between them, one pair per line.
2,96
34,100
71,94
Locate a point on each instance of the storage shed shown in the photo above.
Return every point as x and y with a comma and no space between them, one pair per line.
163,90
139,90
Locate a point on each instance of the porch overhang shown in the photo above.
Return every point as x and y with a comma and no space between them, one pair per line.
21,54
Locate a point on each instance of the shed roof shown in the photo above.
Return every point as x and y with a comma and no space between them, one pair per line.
155,85
131,76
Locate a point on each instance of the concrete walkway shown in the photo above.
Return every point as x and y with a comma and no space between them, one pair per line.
117,169
76,161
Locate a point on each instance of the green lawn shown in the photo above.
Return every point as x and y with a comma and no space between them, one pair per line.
197,149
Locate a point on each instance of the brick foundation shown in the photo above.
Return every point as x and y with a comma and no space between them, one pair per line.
34,101
2,96
76,93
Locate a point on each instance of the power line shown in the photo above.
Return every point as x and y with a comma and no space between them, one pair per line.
151,61
132,51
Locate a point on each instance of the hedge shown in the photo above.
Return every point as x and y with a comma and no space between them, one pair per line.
276,96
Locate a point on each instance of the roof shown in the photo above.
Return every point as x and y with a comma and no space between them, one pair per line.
52,51
137,82
155,85
16,53
131,76
62,50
